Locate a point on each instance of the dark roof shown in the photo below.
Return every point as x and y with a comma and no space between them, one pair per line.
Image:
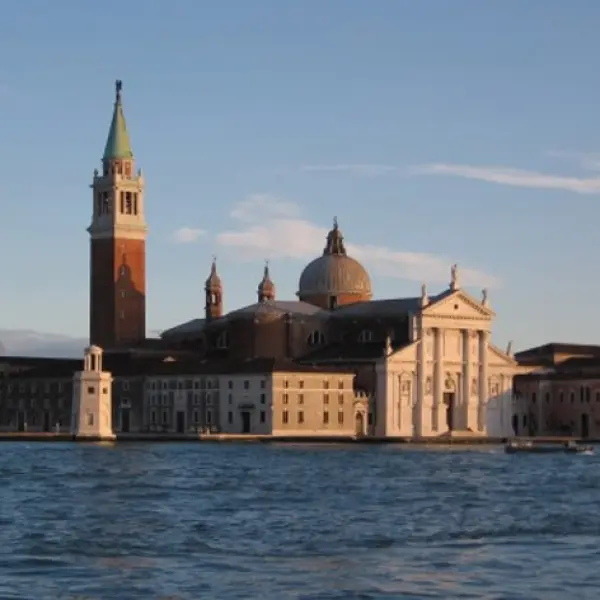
347,352
374,308
34,361
558,348
154,367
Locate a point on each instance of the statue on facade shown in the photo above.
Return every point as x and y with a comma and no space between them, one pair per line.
454,276
484,296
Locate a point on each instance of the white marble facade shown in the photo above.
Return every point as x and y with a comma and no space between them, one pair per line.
450,378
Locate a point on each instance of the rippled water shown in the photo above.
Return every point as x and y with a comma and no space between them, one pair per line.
199,521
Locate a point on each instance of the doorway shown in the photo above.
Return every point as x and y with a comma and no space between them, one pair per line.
585,425
449,398
245,416
46,421
125,420
180,421
20,421
515,424
359,424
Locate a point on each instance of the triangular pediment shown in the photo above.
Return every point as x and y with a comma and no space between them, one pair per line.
458,304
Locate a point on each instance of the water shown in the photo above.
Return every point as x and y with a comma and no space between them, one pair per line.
202,521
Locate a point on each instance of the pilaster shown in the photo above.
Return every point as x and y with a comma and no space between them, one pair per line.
469,412
439,409
421,382
483,380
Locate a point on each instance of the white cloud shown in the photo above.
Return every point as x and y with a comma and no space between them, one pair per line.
267,229
187,235
360,169
257,204
589,161
513,177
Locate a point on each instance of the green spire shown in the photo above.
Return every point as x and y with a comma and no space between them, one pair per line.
117,144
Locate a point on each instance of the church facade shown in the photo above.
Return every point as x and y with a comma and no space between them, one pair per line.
333,361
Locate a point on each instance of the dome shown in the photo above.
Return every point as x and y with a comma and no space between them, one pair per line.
335,274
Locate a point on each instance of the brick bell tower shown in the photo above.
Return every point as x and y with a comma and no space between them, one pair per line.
118,242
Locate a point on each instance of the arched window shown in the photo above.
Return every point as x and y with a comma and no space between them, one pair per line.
316,338
366,335
223,341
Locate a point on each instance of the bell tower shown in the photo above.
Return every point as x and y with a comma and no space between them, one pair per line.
118,242
213,293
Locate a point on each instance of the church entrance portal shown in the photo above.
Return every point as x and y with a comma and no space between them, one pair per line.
180,421
125,420
449,398
245,415
585,425
359,424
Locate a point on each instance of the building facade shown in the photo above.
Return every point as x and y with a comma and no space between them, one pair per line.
560,392
333,361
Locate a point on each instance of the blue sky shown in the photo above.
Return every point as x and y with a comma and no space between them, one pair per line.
437,132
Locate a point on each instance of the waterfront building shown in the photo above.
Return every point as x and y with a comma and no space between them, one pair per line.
333,361
560,393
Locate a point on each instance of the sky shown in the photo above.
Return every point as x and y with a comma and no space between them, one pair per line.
437,131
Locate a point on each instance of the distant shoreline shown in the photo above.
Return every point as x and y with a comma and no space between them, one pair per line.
269,439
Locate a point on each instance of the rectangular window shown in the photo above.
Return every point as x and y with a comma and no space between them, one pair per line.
91,389
301,384
341,399
325,398
262,416
285,417
230,384
153,417
90,419
285,398
300,398
325,418
263,398
209,417
230,417
246,385
300,417
340,418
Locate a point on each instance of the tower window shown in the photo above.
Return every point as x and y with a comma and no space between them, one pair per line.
316,338
103,204
128,203
366,335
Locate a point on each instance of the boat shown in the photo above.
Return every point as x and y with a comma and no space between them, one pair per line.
515,447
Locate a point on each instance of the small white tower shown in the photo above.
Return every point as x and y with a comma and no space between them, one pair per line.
91,416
